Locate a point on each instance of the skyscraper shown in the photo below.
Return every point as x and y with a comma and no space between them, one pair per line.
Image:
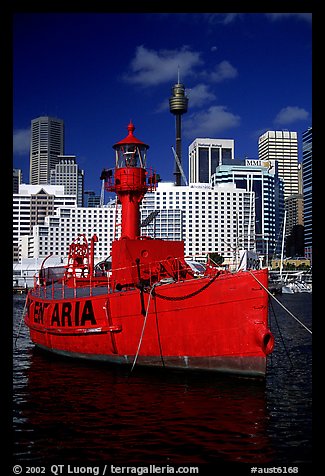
17,179
307,156
67,173
33,205
262,179
205,155
282,146
91,199
47,142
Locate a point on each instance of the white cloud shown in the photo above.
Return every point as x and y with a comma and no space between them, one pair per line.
224,18
199,95
210,123
163,106
227,18
222,71
230,17
150,67
21,141
280,16
290,114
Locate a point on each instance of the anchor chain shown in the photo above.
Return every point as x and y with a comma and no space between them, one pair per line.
187,296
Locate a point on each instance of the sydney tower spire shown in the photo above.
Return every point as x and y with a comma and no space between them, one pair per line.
178,105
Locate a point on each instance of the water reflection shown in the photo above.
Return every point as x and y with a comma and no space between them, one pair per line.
72,411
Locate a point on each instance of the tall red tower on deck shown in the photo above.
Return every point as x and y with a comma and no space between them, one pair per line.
136,257
130,181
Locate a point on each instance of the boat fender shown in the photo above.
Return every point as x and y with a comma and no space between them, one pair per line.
265,338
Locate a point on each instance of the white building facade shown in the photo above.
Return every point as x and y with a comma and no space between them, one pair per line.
31,205
60,230
66,172
212,219
205,155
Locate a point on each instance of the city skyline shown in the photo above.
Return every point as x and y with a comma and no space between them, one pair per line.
244,74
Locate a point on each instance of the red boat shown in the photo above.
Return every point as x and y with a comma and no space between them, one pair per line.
148,307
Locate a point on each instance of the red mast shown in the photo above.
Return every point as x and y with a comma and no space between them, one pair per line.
130,181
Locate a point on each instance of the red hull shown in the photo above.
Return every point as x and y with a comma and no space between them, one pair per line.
208,323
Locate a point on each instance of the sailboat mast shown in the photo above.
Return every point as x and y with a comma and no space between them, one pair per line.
282,247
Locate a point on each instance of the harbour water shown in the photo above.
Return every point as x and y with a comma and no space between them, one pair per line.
69,411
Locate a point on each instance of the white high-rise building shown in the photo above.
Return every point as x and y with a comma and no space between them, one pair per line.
31,205
261,178
205,155
211,219
282,146
59,231
47,143
67,173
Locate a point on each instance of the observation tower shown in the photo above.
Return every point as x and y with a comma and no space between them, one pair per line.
178,105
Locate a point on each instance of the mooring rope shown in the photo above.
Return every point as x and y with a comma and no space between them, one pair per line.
281,336
144,325
287,310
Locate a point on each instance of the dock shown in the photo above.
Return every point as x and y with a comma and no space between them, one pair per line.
20,290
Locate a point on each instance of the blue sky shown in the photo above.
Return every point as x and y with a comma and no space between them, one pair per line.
244,73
